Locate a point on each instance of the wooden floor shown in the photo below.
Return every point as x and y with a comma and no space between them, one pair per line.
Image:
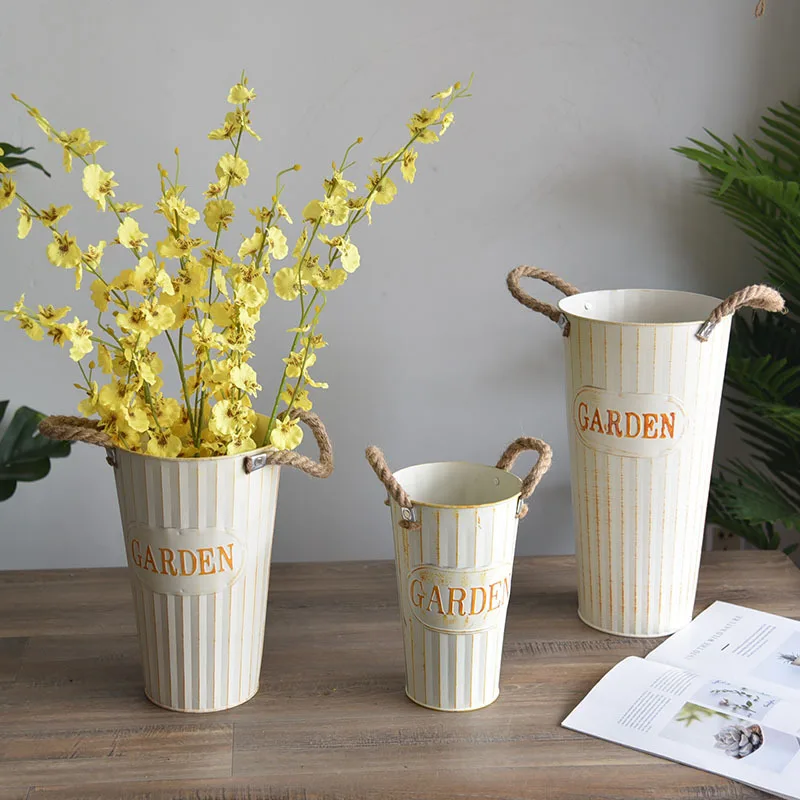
331,720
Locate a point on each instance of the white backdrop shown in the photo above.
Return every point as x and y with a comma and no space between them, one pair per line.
562,159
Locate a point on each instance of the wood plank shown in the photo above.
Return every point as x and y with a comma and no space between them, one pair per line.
11,650
15,792
65,602
654,781
42,758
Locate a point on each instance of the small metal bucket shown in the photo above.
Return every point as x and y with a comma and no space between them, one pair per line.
455,530
644,375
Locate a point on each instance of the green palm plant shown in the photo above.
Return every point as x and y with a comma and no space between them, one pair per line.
758,186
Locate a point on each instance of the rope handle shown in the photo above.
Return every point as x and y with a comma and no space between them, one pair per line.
78,429
289,458
538,470
512,281
377,461
757,296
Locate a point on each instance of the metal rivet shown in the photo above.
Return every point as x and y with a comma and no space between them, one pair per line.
408,514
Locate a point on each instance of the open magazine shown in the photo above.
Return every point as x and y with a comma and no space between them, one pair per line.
723,694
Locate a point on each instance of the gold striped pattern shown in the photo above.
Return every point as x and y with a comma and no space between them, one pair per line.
453,671
201,652
639,521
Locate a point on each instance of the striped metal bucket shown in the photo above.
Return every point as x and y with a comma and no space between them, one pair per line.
644,376
198,540
455,531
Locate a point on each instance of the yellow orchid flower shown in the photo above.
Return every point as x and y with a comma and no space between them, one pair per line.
239,93
8,191
326,280
31,327
81,338
164,444
382,189
63,251
93,255
228,416
278,248
98,184
286,435
243,377
286,283
338,185
129,234
408,167
219,212
48,314
240,444
232,170
292,397
294,363
330,211
88,407
347,250
25,222
53,215
419,124
251,246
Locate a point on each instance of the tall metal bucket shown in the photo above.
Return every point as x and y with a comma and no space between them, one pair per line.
455,530
644,376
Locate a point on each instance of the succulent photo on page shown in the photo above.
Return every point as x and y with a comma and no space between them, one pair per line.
738,741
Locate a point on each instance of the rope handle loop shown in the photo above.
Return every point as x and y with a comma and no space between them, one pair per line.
757,296
74,429
538,470
78,429
289,458
512,281
377,461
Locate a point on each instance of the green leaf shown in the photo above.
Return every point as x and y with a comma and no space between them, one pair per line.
11,158
24,452
752,497
10,149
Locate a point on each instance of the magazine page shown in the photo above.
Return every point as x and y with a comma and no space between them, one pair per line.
740,645
741,733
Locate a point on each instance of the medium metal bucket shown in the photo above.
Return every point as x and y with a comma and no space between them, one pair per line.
455,530
644,376
198,540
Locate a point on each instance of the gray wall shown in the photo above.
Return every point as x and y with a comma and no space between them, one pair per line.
562,159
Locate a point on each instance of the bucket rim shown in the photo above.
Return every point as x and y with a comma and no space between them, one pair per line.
467,505
202,460
672,292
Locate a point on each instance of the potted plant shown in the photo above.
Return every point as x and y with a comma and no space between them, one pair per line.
197,474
